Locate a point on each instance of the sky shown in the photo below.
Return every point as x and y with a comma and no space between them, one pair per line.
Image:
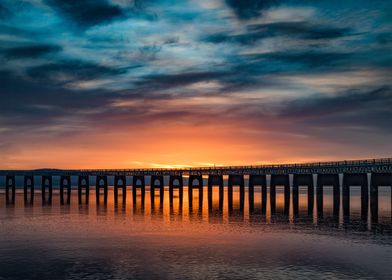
172,83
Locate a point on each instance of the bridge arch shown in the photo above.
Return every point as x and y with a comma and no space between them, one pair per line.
176,182
195,182
156,182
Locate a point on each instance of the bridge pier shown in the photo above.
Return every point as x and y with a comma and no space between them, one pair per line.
65,183
178,186
101,183
361,180
303,180
135,180
236,180
120,183
280,180
377,180
157,182
46,183
215,180
10,186
258,180
28,185
83,183
328,180
199,186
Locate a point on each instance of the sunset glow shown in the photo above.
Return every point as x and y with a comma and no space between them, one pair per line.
197,83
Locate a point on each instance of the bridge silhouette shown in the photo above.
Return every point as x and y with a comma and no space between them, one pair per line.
362,173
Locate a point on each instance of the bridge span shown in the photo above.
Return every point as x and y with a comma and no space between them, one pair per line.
341,175
383,165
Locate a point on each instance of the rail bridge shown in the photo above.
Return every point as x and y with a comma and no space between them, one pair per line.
352,172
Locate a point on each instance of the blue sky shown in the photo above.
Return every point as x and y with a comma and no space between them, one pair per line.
311,79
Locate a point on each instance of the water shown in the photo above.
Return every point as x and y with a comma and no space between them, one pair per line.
162,242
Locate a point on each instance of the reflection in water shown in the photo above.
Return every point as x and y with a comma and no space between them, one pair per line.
199,203
192,236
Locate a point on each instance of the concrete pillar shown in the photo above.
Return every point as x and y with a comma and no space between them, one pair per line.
258,180
377,179
198,185
236,180
280,180
135,186
46,183
215,180
328,180
65,183
361,180
10,187
120,182
28,185
179,186
101,183
303,180
83,183
157,182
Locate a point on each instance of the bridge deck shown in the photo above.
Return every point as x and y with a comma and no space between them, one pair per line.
383,165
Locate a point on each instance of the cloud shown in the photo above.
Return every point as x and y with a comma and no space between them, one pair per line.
63,72
87,13
251,8
4,12
276,69
310,59
165,81
301,30
32,51
367,109
32,103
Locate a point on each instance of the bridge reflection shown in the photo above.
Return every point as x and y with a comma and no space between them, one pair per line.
342,200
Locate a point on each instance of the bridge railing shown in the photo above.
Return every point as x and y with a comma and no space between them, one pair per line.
368,164
264,166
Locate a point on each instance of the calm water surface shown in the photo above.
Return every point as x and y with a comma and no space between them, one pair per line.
163,242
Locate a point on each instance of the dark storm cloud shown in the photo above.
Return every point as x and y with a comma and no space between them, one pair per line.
34,105
254,68
87,13
16,31
302,30
76,70
32,51
18,91
3,11
344,116
293,59
376,100
250,8
253,71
